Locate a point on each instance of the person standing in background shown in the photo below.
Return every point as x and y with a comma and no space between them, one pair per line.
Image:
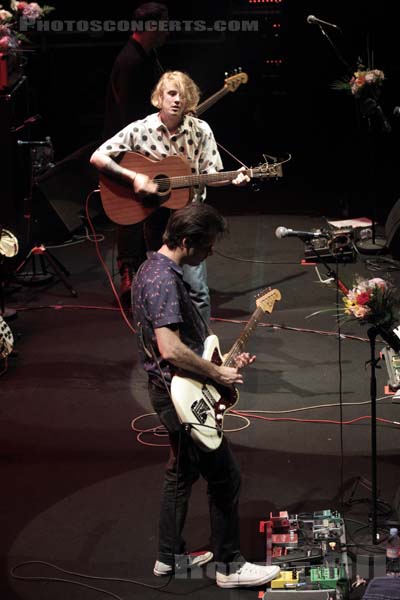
134,74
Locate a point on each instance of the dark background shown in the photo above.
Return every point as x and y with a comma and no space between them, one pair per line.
337,163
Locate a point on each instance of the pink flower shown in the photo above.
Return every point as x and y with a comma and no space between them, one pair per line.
378,282
21,6
5,42
32,11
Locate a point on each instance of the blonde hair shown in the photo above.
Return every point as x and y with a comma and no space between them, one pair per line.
186,86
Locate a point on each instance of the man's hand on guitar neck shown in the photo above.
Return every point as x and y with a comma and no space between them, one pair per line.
244,359
231,375
240,180
177,353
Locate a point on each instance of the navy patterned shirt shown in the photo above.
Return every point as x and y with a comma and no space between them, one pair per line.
160,298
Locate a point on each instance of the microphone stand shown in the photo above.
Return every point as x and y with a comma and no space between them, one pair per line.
371,109
393,341
331,272
335,48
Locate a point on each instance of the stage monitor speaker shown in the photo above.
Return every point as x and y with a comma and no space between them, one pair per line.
59,197
392,231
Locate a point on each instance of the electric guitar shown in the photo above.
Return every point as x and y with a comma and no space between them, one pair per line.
201,405
175,181
231,84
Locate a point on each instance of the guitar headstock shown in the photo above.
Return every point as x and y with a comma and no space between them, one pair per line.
233,81
266,300
270,169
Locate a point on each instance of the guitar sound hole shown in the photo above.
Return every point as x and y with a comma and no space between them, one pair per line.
163,183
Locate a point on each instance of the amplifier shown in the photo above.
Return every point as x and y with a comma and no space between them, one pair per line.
337,245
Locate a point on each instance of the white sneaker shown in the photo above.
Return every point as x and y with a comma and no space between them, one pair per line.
183,562
248,575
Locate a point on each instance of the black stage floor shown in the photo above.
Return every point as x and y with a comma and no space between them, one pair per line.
81,488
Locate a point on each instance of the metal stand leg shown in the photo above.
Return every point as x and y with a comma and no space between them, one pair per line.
47,258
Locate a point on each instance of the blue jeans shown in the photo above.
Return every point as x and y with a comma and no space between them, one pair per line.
196,277
185,465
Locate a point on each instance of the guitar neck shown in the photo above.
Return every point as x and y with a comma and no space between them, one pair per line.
238,346
191,180
211,100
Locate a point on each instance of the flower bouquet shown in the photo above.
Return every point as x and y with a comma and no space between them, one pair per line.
364,82
373,301
373,77
10,36
377,302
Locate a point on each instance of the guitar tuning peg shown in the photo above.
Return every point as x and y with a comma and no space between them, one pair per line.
240,69
226,74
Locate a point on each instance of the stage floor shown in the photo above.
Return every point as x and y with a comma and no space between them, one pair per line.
81,488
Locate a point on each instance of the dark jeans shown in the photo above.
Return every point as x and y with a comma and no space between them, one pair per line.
383,588
134,240
185,465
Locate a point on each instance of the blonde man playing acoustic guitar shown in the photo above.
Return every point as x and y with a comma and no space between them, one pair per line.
173,131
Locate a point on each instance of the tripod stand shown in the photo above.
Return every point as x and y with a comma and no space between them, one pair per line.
39,254
46,258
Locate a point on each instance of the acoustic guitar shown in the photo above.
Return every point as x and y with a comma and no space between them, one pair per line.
175,183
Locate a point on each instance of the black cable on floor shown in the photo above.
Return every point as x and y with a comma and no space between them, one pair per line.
77,574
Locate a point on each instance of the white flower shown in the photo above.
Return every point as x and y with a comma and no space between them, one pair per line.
4,14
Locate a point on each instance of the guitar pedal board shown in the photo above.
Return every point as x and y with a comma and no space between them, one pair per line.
309,548
392,362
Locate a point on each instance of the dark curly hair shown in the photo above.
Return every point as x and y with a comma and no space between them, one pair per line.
200,224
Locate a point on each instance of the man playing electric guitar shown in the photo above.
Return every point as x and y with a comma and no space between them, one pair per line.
171,335
173,131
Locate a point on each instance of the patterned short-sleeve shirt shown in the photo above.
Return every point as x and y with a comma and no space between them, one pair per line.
160,298
193,141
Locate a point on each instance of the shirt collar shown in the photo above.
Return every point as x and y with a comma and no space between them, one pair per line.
168,262
161,127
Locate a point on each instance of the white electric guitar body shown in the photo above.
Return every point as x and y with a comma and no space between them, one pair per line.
201,405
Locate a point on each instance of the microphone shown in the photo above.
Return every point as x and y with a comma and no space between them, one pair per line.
34,143
282,232
311,20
